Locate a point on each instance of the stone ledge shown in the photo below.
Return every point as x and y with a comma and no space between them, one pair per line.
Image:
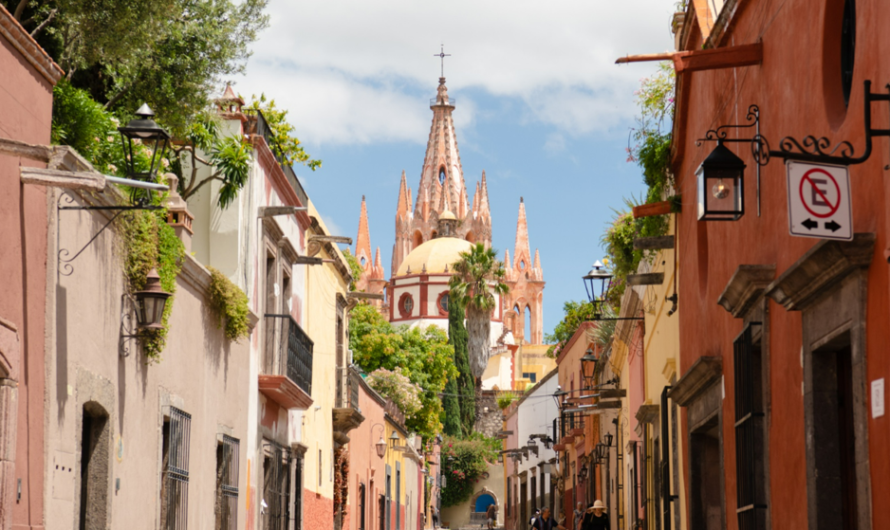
745,288
703,373
826,263
648,413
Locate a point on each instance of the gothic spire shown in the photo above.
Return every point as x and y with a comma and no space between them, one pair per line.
442,157
521,249
363,241
402,208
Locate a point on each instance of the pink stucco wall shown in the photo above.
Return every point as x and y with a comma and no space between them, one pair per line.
365,467
26,100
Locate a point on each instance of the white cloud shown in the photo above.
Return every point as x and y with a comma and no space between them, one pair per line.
354,71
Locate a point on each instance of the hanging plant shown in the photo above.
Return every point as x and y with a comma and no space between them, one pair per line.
149,242
230,304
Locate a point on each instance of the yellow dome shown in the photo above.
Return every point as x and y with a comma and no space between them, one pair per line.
436,254
447,216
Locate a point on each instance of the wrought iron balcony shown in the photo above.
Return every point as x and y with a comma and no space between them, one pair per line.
287,363
346,414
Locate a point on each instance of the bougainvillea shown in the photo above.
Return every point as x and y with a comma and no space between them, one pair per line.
464,462
397,387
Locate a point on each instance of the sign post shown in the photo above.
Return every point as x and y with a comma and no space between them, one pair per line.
819,203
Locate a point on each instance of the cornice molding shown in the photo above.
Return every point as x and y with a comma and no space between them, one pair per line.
822,266
703,373
745,288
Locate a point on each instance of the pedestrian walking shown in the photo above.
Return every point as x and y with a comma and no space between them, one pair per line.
595,517
492,515
533,518
545,522
579,516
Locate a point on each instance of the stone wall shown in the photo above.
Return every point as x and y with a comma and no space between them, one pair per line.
489,423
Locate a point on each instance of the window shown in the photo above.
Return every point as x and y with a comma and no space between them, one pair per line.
534,492
406,305
749,431
175,470
388,497
531,376
398,495
443,302
276,486
442,175
319,468
707,498
381,512
94,476
227,454
361,506
848,47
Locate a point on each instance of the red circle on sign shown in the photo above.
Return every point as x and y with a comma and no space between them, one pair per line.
803,200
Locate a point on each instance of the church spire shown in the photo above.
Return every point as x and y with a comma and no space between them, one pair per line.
442,172
363,241
484,209
521,257
403,205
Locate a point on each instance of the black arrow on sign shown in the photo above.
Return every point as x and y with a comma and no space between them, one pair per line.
809,224
833,226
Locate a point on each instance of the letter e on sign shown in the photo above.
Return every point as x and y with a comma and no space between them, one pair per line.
819,202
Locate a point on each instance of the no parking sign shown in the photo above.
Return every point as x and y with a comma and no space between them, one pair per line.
819,202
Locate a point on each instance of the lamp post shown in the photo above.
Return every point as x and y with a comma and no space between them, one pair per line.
143,131
598,277
720,180
380,446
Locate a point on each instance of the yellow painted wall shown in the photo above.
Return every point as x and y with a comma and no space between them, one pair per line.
323,282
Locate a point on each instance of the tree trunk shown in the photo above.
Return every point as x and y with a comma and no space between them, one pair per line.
479,330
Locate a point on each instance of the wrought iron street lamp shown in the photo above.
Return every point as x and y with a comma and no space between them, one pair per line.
559,396
720,180
597,278
381,447
150,303
608,439
394,439
143,130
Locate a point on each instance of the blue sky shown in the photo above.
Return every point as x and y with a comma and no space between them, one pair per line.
540,107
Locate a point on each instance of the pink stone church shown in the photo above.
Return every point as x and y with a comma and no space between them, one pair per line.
433,230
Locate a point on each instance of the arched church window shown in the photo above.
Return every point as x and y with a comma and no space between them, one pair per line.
441,175
363,261
442,303
406,305
522,265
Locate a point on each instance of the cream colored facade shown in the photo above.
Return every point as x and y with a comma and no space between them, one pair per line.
109,433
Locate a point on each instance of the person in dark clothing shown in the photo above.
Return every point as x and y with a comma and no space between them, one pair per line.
546,522
595,518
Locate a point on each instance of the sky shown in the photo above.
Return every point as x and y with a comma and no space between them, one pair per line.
540,107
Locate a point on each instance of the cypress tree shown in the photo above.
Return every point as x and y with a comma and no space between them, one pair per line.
451,412
466,384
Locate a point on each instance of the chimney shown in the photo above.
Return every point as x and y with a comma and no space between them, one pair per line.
178,215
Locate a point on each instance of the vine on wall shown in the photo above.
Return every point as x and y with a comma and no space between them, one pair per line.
230,304
150,242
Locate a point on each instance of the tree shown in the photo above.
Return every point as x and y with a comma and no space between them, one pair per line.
171,54
478,277
423,355
575,314
466,384
285,144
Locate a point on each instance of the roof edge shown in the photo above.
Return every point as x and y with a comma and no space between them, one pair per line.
28,47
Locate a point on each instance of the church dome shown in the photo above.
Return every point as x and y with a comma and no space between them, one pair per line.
435,255
447,215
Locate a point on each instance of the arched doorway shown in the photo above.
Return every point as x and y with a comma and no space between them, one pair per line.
483,502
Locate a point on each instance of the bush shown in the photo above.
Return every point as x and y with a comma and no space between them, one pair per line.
398,388
230,304
463,463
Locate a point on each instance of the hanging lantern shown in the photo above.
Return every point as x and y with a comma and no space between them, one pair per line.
150,303
720,186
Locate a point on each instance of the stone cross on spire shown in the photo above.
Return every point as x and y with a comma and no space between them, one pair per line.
442,55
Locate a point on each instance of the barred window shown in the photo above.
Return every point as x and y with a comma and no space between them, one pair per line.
749,431
276,486
361,506
227,454
175,470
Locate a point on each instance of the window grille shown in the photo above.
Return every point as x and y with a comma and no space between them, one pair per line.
666,497
276,486
227,454
748,428
175,479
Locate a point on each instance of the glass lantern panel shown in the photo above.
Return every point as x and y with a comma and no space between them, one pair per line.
719,193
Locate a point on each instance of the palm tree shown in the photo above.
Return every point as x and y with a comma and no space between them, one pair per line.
478,276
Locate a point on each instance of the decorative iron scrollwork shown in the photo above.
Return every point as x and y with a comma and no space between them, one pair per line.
816,147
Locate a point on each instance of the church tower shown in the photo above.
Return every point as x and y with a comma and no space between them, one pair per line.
442,187
372,278
526,281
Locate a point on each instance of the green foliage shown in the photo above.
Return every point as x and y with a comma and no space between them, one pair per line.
574,314
450,416
285,144
172,54
355,268
231,158
397,387
230,304
80,122
465,383
150,242
504,400
463,463
423,355
605,329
